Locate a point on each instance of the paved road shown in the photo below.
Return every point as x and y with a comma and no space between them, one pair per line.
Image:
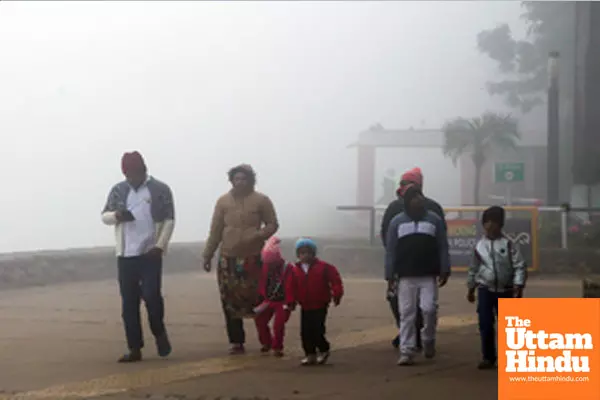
62,342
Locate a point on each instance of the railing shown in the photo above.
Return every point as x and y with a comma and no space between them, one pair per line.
565,213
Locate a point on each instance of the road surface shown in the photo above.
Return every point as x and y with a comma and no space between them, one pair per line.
63,341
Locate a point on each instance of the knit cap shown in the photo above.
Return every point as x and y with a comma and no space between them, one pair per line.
306,242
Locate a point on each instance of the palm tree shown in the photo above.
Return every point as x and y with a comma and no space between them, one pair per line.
477,137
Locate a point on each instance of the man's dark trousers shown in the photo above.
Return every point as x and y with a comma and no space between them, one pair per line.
396,311
141,278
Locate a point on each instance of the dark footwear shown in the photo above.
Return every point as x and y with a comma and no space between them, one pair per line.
265,349
322,358
309,360
486,364
132,356
429,349
278,353
237,349
163,345
396,342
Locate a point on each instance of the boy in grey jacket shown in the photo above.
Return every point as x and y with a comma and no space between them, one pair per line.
497,271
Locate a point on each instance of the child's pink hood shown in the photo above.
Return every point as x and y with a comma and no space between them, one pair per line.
271,252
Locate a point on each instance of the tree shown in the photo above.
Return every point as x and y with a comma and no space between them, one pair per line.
477,137
523,62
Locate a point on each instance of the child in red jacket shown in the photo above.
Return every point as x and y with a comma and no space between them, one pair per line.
317,283
276,290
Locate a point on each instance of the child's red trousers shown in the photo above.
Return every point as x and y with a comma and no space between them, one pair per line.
281,314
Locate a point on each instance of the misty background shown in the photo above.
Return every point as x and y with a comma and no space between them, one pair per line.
198,87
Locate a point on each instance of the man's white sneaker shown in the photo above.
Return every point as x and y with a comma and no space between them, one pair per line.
309,360
406,359
322,358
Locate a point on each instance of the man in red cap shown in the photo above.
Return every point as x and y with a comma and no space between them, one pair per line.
142,212
412,177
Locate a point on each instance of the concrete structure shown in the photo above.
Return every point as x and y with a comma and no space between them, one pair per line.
532,152
378,137
533,186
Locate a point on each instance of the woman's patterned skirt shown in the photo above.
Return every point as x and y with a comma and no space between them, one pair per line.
238,284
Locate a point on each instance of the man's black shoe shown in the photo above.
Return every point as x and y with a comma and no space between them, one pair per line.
132,356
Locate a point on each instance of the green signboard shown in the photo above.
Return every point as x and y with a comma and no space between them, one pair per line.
509,172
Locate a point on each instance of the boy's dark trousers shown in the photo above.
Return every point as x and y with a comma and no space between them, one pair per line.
141,278
396,311
312,331
487,310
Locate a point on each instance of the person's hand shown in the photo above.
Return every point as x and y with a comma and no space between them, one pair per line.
442,280
155,252
518,292
124,216
391,291
471,296
337,301
290,306
207,264
390,285
119,215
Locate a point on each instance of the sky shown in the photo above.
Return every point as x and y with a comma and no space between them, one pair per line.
198,87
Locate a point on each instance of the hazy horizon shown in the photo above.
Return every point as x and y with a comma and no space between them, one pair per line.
198,87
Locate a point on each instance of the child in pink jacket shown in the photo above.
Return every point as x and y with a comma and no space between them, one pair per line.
276,290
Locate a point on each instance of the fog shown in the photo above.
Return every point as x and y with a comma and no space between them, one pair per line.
198,87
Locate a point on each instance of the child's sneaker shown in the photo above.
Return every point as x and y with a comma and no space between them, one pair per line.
406,359
278,353
486,364
265,349
429,349
322,358
309,360
237,349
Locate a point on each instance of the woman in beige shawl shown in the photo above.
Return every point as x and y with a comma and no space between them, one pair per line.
242,221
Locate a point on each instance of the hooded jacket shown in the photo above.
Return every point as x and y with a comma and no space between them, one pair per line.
276,283
397,207
416,247
315,288
415,177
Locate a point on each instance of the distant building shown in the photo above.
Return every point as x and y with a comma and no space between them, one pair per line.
532,154
373,139
532,187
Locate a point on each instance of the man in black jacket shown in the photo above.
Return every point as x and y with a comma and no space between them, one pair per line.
413,177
